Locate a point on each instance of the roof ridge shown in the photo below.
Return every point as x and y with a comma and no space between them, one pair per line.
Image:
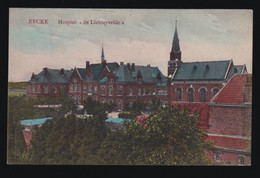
207,61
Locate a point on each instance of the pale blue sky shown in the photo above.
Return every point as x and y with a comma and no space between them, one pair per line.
144,38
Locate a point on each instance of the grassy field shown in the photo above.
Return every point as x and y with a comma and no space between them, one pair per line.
16,92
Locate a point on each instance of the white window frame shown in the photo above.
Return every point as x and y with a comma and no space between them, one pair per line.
130,92
119,90
103,89
239,159
217,156
110,91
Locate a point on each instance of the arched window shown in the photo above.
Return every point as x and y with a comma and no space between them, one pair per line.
190,94
110,91
33,89
110,102
119,105
215,91
203,95
179,94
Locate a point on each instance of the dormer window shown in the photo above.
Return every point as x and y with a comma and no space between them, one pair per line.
74,80
235,70
207,67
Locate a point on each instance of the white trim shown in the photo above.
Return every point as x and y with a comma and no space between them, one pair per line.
191,88
231,62
230,136
78,73
177,88
197,82
201,88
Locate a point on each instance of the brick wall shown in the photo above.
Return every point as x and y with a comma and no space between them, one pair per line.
196,98
230,120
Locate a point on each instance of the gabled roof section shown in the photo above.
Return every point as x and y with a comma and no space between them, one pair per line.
149,74
96,70
238,69
52,76
123,75
235,91
208,70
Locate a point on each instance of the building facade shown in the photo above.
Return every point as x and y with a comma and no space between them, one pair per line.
122,84
231,121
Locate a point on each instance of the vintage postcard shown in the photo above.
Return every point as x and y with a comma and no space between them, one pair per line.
129,87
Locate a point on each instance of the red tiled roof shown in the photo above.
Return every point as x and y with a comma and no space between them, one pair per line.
231,143
234,91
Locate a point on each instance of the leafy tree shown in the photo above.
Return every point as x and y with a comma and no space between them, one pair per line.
170,137
68,141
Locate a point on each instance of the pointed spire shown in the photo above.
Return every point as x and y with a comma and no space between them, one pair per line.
102,54
175,42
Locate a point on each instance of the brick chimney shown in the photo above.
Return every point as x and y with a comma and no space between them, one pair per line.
45,70
148,65
121,63
128,66
133,67
103,63
62,71
87,64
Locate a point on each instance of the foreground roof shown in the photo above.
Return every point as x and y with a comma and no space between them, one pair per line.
237,90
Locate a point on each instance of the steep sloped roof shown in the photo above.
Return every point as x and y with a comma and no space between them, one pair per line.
209,70
149,74
53,76
96,70
237,69
234,90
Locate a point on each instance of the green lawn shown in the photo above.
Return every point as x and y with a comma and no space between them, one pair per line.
16,92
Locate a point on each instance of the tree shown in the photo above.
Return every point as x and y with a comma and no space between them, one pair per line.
170,137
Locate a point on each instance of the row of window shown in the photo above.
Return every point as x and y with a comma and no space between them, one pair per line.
202,91
140,91
37,89
217,158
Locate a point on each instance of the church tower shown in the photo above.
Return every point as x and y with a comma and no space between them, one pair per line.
102,55
175,54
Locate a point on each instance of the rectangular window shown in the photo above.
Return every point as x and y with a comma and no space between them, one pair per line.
38,89
139,91
90,88
103,90
84,89
241,159
130,91
46,89
95,89
217,156
144,91
149,91
154,91
33,89
71,87
79,88
119,90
